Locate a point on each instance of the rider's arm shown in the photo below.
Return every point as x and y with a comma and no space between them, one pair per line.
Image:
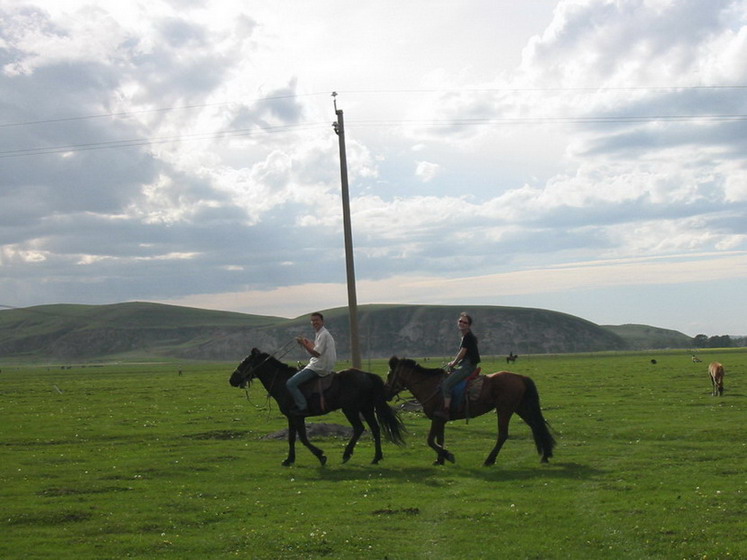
308,346
459,357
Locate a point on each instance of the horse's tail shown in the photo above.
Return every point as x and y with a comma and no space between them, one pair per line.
390,422
530,411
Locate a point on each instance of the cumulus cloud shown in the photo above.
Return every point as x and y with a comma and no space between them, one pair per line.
186,152
426,171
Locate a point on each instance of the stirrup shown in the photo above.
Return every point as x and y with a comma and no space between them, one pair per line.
442,413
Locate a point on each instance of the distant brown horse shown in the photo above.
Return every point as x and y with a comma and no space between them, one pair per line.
507,392
716,371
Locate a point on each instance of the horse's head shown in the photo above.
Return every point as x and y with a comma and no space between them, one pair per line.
394,382
247,369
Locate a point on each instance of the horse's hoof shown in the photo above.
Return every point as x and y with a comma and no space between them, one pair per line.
450,457
438,463
544,460
376,461
287,463
345,459
323,459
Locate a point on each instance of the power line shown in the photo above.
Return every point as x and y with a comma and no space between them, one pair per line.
548,89
129,114
455,122
138,142
244,132
552,120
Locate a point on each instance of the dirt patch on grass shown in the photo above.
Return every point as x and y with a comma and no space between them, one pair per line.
219,434
46,519
55,492
405,511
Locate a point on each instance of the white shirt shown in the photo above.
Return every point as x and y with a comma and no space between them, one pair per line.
324,344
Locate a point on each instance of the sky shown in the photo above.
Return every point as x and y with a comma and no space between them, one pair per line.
581,156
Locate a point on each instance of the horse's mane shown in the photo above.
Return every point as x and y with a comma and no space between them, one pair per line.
421,369
265,358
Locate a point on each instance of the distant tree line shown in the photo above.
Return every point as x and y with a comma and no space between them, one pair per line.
723,341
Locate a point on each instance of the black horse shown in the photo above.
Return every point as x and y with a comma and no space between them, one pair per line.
354,391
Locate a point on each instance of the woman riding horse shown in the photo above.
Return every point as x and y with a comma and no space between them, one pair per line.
463,365
504,391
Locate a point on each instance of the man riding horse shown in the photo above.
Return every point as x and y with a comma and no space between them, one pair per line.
321,364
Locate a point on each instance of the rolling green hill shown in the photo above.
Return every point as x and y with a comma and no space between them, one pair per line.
129,331
642,337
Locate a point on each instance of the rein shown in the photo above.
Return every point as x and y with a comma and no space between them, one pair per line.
281,352
397,374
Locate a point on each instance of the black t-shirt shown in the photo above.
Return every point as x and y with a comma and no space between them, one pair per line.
469,341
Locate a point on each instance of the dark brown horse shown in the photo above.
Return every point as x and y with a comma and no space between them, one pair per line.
358,393
504,391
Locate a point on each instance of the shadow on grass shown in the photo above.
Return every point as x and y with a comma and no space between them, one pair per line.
436,475
558,471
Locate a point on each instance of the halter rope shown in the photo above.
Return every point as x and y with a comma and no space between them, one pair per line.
279,353
397,374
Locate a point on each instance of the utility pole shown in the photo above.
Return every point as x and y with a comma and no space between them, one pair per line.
355,351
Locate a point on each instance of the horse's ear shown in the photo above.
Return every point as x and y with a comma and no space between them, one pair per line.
255,351
393,362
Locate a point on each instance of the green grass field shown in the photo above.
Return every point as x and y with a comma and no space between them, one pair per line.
136,461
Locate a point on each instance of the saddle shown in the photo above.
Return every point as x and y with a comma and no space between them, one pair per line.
318,386
468,389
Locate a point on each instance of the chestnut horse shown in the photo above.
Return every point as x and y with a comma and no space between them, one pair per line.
716,372
507,392
357,393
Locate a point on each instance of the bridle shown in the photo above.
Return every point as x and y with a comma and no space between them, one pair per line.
395,373
393,384
249,375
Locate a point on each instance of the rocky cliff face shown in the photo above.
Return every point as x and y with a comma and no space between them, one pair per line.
418,331
88,332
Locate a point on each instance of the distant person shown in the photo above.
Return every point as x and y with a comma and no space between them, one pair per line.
464,364
322,362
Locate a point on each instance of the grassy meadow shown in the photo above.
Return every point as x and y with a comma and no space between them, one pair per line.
139,461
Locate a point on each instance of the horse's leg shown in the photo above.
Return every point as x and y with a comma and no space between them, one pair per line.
373,424
291,443
358,429
440,436
301,428
436,441
503,419
434,435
